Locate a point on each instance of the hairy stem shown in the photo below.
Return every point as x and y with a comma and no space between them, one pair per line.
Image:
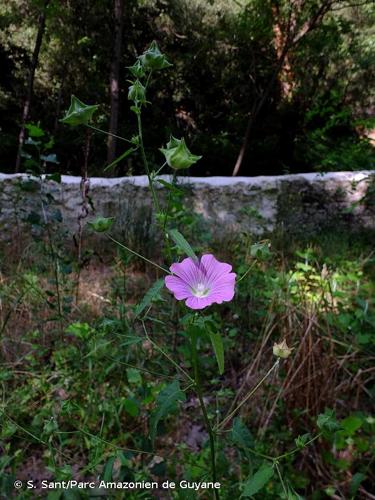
248,396
138,255
198,389
145,163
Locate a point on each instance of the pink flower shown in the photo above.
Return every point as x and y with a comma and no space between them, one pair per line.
202,282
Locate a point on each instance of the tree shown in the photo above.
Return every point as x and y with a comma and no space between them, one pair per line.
292,21
114,79
30,82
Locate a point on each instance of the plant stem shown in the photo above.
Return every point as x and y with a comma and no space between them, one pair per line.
281,478
165,270
298,449
198,389
248,396
145,163
108,133
176,365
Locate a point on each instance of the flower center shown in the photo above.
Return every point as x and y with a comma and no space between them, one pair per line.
200,290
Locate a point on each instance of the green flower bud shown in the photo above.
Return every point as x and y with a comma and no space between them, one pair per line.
137,92
78,112
137,69
282,350
101,224
177,154
153,59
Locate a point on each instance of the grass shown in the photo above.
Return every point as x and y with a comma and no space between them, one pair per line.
77,388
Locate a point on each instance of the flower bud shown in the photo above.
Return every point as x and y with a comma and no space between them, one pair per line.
79,113
101,224
153,59
282,350
137,92
177,154
137,69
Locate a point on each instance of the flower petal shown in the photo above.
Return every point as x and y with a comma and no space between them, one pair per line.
187,270
212,268
178,287
198,302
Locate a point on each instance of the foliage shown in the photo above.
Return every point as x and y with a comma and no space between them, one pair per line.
145,388
224,56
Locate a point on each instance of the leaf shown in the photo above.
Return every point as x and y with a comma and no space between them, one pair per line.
256,482
56,177
240,434
107,473
217,344
131,407
356,482
166,403
134,376
121,157
152,293
78,113
130,340
52,158
169,186
327,420
351,424
34,131
302,440
182,243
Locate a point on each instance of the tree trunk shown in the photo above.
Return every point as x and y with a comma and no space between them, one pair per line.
284,42
114,80
30,83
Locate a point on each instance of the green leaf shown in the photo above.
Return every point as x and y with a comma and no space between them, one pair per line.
82,331
182,243
356,482
101,224
34,131
107,473
120,158
134,376
256,482
78,113
166,403
131,407
152,293
169,186
241,435
351,424
302,440
56,177
217,344
327,420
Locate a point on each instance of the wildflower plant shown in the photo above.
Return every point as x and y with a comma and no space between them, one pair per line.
196,282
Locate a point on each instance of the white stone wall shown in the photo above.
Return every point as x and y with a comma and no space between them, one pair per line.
254,204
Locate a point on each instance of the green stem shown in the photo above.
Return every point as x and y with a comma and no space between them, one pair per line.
176,365
108,133
165,270
298,449
281,479
248,396
198,389
166,216
145,163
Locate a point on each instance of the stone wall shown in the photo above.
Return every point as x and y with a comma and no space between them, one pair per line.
301,202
